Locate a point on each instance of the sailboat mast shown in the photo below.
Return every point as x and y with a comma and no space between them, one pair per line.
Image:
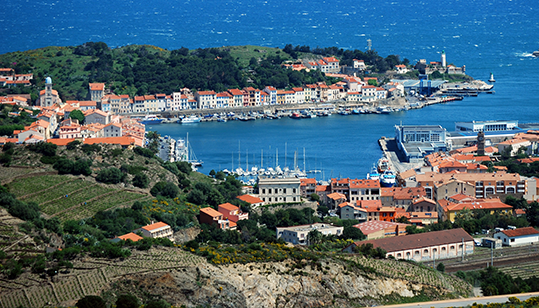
239,153
247,158
276,157
187,145
262,158
285,155
304,170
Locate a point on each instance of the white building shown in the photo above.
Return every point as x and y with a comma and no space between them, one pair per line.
299,234
277,190
486,126
521,236
157,230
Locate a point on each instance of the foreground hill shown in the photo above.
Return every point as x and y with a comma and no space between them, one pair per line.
183,279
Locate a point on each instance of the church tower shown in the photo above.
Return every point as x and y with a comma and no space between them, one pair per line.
481,143
444,63
48,92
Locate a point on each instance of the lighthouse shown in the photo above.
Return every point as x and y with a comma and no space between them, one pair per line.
444,64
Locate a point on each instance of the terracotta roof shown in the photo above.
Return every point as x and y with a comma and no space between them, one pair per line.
520,232
154,226
130,236
364,184
322,187
97,86
250,199
304,182
372,226
210,212
111,140
336,196
420,240
228,207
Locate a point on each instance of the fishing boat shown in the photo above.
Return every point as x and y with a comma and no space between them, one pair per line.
536,53
388,179
295,115
150,119
383,164
373,175
190,120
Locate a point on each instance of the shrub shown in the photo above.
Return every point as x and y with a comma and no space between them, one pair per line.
144,152
91,301
141,180
165,189
73,145
110,176
440,267
127,301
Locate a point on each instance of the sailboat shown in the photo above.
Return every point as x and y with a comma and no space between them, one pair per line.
191,157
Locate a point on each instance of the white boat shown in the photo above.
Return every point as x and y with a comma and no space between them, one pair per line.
388,179
373,175
491,79
190,120
383,164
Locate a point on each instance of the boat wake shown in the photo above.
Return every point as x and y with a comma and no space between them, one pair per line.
524,55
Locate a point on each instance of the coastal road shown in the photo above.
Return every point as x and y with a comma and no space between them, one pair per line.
466,301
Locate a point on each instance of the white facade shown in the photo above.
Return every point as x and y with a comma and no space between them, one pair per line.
299,234
279,190
515,240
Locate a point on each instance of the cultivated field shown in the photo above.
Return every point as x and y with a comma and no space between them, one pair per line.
89,276
68,197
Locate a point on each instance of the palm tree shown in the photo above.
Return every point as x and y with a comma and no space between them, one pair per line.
314,237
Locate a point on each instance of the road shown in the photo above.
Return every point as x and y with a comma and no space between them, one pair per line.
466,301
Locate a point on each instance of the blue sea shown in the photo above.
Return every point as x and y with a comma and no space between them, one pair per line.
487,36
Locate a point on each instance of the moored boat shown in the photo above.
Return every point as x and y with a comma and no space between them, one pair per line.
383,164
190,120
295,115
150,119
373,175
388,179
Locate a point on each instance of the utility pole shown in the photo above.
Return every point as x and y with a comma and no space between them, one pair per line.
491,253
462,249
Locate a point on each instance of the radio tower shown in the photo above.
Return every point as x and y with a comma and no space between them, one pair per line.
369,44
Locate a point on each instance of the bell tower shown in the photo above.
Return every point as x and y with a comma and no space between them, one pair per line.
481,143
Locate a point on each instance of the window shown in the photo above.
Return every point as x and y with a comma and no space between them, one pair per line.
399,255
284,190
417,252
512,240
426,251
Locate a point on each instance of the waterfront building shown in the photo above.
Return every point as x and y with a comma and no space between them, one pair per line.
206,99
486,126
416,141
96,91
150,103
368,93
162,101
179,102
299,234
299,95
223,99
111,103
138,105
363,190
252,95
353,97
279,190
381,93
480,185
272,92
126,104
237,97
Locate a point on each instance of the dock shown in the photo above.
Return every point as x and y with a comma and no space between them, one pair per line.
392,153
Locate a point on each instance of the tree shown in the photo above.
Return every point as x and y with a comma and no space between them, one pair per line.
165,189
157,304
314,197
91,301
127,301
314,237
352,233
77,115
111,175
141,180
440,267
372,82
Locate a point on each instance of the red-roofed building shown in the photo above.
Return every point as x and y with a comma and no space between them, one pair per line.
348,210
253,201
130,236
212,217
157,230
520,236
307,187
380,229
97,91
232,212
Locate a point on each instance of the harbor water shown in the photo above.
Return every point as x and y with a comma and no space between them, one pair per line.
495,37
